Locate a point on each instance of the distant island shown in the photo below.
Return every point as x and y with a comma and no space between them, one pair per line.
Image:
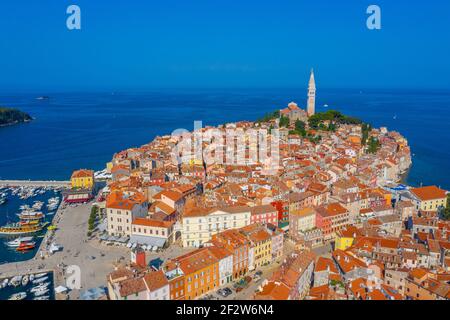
43,98
10,116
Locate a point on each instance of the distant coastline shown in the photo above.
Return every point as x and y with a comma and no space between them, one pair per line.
10,117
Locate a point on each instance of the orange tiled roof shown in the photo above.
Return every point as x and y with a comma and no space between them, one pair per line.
83,173
429,193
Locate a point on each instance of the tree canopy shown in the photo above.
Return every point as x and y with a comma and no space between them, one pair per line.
9,116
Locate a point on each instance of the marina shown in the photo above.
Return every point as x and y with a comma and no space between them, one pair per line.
28,287
24,220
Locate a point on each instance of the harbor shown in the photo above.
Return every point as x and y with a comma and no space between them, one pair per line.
69,232
34,286
25,216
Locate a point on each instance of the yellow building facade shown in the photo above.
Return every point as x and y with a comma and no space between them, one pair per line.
82,179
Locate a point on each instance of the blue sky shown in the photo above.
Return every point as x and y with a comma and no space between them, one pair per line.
210,43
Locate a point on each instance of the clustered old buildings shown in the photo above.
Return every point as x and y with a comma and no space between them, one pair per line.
387,244
227,257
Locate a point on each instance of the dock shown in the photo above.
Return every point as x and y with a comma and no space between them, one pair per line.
37,184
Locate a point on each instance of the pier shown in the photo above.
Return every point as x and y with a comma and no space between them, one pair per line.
29,183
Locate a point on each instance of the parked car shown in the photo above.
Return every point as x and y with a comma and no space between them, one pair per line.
259,273
224,292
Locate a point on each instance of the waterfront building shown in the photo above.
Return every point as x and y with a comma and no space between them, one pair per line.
429,198
82,179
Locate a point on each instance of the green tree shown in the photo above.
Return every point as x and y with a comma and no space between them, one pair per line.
447,208
300,128
284,121
373,145
8,116
92,218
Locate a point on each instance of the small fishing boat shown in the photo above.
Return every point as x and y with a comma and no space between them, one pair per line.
26,246
18,296
42,298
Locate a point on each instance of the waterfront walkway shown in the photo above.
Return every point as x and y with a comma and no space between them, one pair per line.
29,183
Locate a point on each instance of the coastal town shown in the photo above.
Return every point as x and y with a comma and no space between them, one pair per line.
327,217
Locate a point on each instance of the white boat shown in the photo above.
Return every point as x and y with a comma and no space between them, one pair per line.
40,287
4,283
40,292
38,205
18,296
31,277
42,298
25,280
40,275
40,280
15,281
16,242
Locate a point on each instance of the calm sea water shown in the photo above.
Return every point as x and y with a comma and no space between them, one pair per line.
83,130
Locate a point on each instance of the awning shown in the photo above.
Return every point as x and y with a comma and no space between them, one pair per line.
148,241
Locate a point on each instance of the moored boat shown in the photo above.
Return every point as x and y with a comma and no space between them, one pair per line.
30,215
42,286
25,246
18,296
16,242
40,280
15,281
25,280
17,229
41,292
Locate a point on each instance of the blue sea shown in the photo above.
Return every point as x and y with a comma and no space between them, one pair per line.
83,130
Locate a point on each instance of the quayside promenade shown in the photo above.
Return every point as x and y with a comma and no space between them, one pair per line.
29,183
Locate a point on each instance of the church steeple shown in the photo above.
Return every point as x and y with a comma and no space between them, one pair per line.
311,106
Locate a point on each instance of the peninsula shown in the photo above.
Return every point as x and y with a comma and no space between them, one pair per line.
10,116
